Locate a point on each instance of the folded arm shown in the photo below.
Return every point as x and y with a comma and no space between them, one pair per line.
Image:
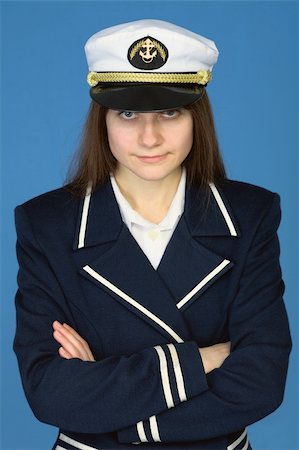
85,396
74,346
250,383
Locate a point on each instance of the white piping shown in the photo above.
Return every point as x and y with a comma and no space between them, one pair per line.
223,209
141,432
245,446
237,441
74,443
142,437
203,282
133,302
178,372
165,376
154,429
84,217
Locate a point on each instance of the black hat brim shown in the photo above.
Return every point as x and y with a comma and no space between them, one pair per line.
146,97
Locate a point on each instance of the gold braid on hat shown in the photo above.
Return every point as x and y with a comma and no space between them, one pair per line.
202,77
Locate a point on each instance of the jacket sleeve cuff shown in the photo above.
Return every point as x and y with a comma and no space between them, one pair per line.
182,377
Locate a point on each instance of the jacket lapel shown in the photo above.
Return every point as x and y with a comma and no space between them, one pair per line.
188,267
121,268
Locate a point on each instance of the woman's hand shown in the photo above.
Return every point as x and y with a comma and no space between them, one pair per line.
214,356
72,344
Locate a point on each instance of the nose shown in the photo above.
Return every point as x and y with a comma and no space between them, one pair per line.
150,133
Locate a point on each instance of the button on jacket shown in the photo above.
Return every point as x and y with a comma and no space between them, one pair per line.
219,280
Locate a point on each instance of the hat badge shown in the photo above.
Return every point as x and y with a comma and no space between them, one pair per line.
147,53
147,56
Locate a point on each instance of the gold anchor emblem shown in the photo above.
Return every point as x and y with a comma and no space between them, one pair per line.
147,56
147,53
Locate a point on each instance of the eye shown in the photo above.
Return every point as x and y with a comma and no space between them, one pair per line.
170,113
127,114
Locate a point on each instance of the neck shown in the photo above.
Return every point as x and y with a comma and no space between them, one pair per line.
151,199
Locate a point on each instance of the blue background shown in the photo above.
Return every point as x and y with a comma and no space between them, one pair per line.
254,93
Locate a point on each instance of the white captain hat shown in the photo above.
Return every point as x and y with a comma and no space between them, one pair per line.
148,65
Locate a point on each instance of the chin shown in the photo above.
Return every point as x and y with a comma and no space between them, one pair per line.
155,173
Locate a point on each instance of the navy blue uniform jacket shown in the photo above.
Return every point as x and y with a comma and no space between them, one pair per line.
219,280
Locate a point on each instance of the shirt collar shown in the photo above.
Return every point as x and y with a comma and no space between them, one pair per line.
130,216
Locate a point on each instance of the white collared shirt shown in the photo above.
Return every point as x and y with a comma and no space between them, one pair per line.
152,238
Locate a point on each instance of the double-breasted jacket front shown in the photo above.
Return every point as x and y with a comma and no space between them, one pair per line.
219,280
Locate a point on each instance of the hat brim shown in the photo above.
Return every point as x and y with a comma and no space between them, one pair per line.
146,97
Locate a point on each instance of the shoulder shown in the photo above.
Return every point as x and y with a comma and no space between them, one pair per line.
250,204
50,203
57,198
239,189
55,209
246,196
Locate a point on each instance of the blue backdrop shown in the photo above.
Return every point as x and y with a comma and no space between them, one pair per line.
254,93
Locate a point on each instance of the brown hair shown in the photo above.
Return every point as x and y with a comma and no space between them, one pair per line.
94,161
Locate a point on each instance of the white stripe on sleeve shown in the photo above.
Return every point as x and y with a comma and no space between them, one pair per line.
154,429
165,376
178,372
141,432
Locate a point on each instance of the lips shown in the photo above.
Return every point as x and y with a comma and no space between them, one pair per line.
152,159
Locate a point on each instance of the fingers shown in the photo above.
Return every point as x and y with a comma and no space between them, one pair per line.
73,332
64,354
65,341
73,346
71,349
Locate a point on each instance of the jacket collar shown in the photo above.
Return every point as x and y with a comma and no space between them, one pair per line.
207,213
123,270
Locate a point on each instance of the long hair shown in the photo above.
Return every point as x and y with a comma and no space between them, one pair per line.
94,161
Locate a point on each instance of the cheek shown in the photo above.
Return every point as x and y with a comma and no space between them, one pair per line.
121,147
185,139
119,141
114,133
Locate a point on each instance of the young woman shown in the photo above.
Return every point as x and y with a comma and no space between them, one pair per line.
149,308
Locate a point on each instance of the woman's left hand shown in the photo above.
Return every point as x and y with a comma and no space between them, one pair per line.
72,344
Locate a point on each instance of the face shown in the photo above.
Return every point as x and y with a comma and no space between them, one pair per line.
149,146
